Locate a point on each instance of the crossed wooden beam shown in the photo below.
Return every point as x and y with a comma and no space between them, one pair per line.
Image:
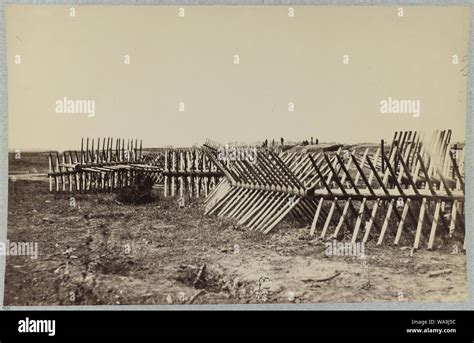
259,195
368,193
188,171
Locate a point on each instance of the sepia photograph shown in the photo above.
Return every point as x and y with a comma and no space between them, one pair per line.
224,155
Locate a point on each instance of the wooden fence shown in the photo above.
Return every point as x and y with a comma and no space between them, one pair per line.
189,172
107,165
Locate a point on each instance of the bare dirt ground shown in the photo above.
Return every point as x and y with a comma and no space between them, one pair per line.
103,252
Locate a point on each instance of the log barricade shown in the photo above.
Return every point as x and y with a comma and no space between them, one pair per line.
107,165
413,188
189,172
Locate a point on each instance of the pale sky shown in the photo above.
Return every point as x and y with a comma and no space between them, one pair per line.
190,59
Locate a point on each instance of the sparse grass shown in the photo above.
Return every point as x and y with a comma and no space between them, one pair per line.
134,255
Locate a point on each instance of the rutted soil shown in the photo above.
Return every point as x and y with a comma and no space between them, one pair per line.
103,252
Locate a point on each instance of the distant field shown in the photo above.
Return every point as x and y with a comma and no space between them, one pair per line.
29,162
